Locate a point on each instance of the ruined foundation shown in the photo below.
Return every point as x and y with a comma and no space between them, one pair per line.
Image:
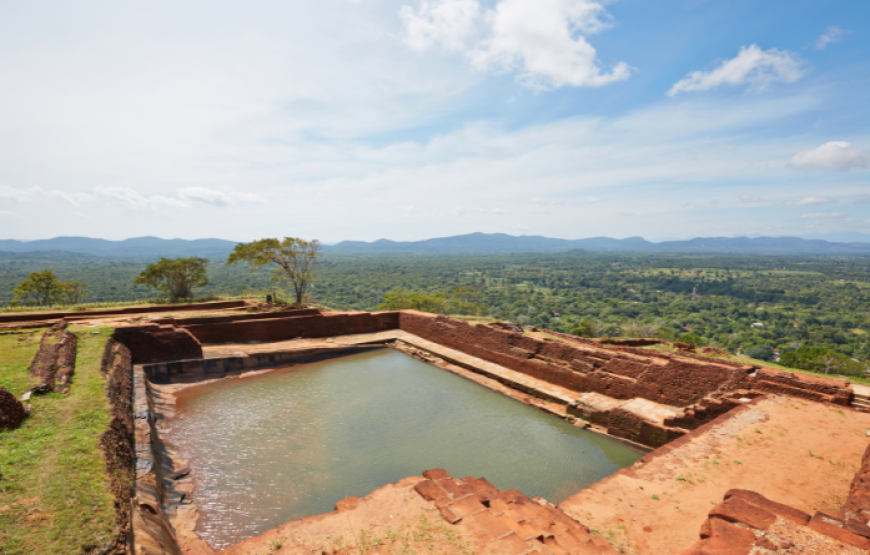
650,399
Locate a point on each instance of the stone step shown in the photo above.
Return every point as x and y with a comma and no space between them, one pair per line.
508,522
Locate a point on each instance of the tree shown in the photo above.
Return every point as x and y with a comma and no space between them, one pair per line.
692,339
175,277
294,259
40,288
586,328
639,329
823,359
460,301
74,292
759,352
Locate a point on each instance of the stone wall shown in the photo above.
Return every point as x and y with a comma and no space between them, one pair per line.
282,329
621,373
37,316
117,441
856,509
240,317
155,343
806,386
194,370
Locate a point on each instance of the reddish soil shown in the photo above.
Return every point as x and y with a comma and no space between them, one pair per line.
799,453
381,522
55,362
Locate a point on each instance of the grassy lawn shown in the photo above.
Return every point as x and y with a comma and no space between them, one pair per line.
54,492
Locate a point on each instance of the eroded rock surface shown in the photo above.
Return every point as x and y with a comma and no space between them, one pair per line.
11,411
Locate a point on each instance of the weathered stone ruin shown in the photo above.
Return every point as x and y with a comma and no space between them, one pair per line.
659,400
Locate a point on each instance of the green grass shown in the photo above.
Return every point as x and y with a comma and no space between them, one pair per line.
16,352
54,493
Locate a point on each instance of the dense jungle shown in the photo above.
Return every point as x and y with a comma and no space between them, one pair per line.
765,306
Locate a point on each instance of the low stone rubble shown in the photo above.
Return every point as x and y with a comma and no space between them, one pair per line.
508,522
12,412
747,522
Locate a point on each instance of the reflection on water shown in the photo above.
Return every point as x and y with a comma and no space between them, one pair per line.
290,443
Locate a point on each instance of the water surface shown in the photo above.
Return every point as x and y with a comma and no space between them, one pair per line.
290,443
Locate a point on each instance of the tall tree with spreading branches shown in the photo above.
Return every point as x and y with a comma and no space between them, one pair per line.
175,277
74,292
294,260
40,289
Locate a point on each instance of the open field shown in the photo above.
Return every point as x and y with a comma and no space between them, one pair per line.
54,491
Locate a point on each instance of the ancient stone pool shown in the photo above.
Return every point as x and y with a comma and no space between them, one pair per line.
290,443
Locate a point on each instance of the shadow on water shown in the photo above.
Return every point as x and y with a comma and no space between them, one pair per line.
292,442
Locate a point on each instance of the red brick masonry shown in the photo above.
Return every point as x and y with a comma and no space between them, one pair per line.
745,520
704,388
507,522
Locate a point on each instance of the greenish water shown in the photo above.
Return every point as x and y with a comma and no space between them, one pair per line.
290,443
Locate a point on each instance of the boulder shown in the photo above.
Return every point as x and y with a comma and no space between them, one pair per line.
12,412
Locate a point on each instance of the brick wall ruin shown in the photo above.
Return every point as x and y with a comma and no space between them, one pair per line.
703,388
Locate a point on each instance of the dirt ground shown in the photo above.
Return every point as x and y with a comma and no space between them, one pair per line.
802,454
393,519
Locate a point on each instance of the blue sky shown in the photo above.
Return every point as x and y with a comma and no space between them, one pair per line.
410,119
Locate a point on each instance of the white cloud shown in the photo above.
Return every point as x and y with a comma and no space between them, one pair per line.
8,214
18,194
824,215
130,197
809,201
409,210
26,194
834,34
833,155
752,66
447,22
749,199
205,196
218,198
457,211
543,40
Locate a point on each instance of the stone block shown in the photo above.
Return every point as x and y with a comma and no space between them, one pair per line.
508,545
790,513
725,539
737,510
436,474
834,527
429,490
466,506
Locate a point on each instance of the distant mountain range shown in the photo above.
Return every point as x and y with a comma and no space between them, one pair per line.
500,242
139,247
152,247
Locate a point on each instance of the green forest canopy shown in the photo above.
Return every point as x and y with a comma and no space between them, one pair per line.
742,301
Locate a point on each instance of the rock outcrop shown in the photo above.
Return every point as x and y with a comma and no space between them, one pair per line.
747,520
12,412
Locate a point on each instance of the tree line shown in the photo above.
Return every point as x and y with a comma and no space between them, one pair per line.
765,307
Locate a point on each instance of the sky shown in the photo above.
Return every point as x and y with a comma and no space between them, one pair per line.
411,119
